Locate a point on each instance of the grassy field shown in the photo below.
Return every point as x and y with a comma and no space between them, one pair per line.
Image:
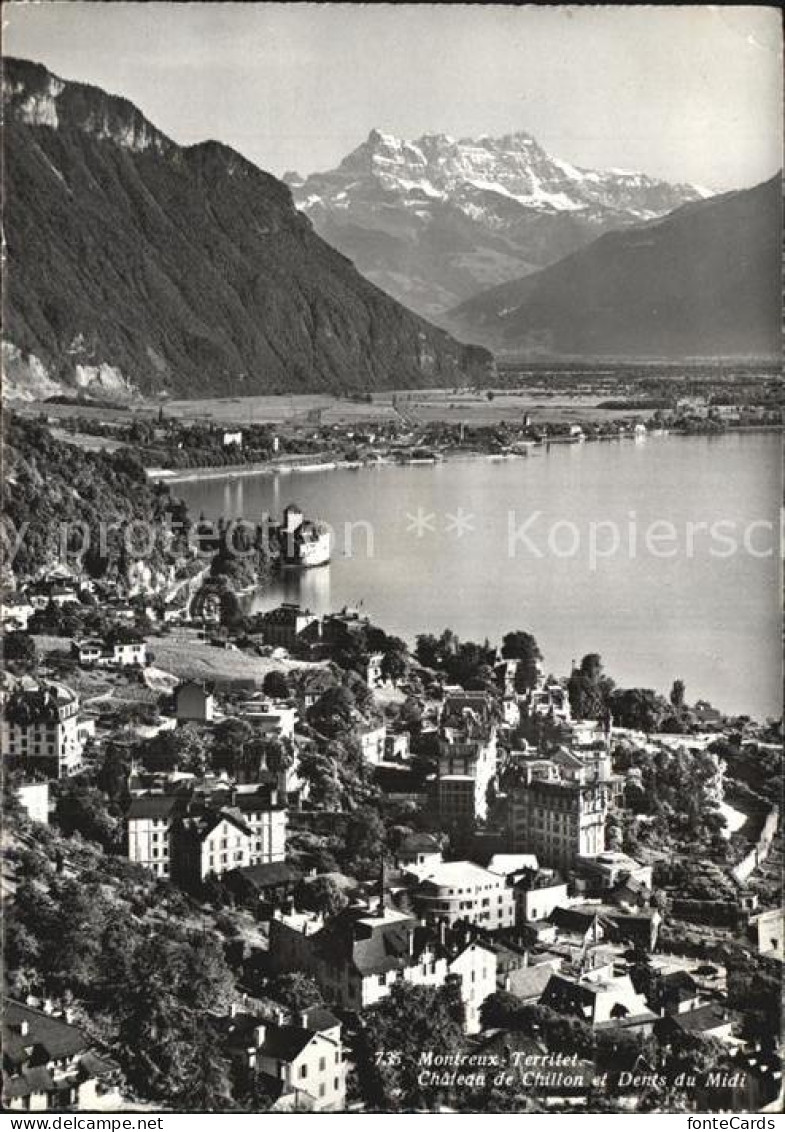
419,406
87,442
183,653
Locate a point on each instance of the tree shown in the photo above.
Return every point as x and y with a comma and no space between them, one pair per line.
395,664
295,991
427,650
389,1041
500,1010
183,749
276,685
588,689
81,808
639,709
320,894
332,713
522,646
364,843
19,648
677,694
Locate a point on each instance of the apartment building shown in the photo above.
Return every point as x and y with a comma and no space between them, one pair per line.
456,891
558,816
41,729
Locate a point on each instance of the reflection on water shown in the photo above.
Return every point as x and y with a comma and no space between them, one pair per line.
308,588
713,622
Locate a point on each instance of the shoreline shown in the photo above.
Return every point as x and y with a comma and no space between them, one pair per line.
235,471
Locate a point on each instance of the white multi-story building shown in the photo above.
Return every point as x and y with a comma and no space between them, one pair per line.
114,654
301,1062
372,741
460,890
41,730
358,956
186,837
34,799
475,967
557,815
467,757
228,830
148,831
276,718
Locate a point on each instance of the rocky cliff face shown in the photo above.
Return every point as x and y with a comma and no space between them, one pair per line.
137,264
705,281
436,220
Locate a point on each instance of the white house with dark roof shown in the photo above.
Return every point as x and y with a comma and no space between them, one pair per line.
41,728
49,1065
148,826
474,966
186,834
194,701
358,955
228,830
300,1062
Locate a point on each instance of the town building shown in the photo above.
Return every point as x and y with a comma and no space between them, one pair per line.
148,823
34,800
301,1063
41,729
273,718
374,674
557,815
421,849
372,741
709,1020
528,983
227,830
595,997
473,966
186,831
265,886
397,746
117,653
460,890
547,700
287,625
606,871
467,757
50,1066
194,701
15,613
767,929
675,992
358,955
537,894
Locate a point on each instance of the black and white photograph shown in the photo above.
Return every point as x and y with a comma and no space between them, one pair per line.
391,580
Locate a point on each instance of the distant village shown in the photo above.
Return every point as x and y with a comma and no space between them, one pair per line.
574,884
529,409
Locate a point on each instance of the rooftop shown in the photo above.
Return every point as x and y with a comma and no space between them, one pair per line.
58,1038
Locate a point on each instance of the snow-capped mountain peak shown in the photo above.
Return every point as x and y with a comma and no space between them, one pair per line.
514,166
433,219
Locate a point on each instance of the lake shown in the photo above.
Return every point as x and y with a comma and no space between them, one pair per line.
660,554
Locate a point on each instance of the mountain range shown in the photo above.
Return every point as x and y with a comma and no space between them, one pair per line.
704,281
435,221
135,264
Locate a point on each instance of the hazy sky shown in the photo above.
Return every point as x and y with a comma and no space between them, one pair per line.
689,93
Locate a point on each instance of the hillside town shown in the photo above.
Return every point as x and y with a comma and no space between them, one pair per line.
390,589
385,876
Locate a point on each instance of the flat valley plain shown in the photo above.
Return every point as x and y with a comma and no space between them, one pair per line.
553,394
